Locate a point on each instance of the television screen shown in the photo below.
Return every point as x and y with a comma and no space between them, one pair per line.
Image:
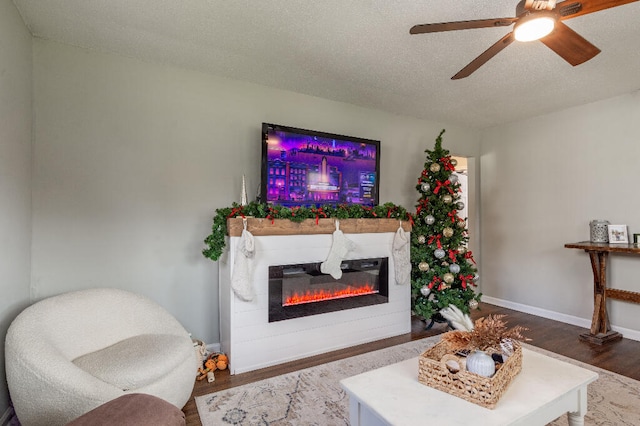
307,168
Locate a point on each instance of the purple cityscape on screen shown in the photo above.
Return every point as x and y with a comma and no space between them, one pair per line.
305,170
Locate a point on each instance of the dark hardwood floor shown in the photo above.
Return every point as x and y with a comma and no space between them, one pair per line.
620,357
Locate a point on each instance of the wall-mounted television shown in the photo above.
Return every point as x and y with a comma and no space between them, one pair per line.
309,168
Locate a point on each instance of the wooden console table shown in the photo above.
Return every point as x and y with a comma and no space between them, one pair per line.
601,332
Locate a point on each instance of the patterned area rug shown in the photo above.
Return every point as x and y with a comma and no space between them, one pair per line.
313,396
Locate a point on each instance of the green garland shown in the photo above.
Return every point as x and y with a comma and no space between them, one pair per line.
215,241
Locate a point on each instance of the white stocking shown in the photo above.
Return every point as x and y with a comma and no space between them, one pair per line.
401,256
243,267
339,248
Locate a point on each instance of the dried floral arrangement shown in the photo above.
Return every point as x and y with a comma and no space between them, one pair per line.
488,333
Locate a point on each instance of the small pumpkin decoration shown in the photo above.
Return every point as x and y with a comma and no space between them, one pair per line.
221,361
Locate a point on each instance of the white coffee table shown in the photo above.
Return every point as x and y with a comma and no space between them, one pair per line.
545,389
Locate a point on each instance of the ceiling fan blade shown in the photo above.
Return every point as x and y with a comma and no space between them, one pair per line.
484,57
539,4
461,25
570,45
572,8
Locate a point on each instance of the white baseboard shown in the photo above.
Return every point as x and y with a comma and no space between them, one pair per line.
213,348
556,316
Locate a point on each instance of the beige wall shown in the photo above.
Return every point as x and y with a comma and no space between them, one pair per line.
15,173
131,159
543,180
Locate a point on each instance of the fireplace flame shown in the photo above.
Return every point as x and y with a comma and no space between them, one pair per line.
321,295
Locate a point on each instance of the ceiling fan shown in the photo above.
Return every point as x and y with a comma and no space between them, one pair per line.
534,20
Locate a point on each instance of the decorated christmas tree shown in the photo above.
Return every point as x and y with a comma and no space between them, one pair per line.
443,271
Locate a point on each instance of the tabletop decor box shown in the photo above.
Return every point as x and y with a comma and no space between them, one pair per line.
483,391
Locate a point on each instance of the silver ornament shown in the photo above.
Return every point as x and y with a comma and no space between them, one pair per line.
448,278
435,167
447,232
453,179
476,277
429,220
447,199
473,304
439,253
422,239
454,268
460,205
425,187
424,290
423,266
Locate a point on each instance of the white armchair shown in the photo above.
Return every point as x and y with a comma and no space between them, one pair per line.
68,354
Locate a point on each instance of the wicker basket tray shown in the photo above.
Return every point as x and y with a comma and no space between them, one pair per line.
484,391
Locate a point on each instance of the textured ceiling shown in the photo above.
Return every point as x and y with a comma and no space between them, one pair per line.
359,51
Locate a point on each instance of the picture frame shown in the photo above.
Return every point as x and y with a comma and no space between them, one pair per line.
618,234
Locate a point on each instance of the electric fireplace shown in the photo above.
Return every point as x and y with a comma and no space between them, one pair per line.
337,319
302,289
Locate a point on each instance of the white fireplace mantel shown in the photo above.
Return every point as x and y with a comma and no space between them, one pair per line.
251,342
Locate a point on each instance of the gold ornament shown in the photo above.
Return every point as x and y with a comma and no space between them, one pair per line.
461,224
462,249
454,162
447,199
448,278
423,266
447,232
422,239
435,167
473,304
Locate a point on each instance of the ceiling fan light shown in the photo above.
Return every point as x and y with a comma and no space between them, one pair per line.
534,27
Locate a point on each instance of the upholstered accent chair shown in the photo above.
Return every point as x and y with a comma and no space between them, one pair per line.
68,354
